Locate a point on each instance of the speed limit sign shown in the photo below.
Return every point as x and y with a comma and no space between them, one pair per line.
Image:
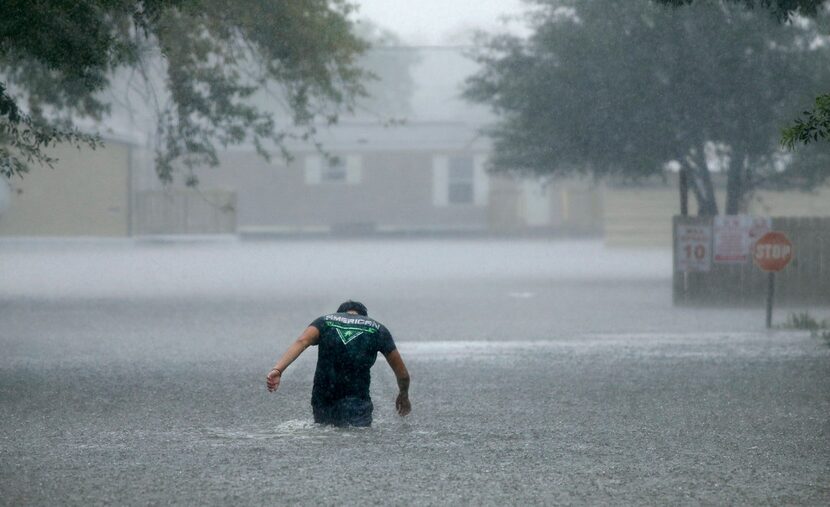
693,251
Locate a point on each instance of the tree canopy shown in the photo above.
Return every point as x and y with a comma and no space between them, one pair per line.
815,123
782,9
57,57
624,88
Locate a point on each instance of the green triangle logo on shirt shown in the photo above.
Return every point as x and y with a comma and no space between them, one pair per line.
347,335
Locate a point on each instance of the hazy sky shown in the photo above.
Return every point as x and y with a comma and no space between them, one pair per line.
437,21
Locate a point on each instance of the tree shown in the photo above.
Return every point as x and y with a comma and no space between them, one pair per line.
815,123
781,9
623,88
57,57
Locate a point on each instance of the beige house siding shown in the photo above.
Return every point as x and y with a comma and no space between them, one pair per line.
562,206
86,194
579,207
642,216
388,192
425,177
506,201
398,191
184,211
792,204
639,216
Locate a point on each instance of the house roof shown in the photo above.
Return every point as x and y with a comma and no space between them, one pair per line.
411,136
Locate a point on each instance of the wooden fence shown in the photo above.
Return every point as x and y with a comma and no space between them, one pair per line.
806,280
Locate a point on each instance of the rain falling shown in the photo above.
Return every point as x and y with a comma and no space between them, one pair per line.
433,253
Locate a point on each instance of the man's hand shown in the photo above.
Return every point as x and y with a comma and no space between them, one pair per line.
402,404
272,380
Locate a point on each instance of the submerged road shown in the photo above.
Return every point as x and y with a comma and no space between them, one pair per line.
579,386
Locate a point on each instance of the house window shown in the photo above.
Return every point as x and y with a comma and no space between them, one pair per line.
341,169
460,180
334,170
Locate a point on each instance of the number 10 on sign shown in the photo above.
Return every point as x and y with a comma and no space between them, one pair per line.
694,248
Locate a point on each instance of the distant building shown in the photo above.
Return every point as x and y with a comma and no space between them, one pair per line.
86,194
420,177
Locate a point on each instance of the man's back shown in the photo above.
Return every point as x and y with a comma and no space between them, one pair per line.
349,343
348,348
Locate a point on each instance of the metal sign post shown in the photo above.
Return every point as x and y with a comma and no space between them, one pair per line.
770,295
772,253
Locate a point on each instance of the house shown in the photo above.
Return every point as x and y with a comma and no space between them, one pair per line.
86,194
417,177
420,177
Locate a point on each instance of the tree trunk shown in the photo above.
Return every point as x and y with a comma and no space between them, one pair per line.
703,188
735,187
696,186
711,207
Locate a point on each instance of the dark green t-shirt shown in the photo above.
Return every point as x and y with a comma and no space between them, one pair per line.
349,345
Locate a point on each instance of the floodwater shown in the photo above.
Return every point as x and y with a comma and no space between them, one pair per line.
542,372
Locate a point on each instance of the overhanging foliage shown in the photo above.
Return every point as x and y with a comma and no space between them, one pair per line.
56,58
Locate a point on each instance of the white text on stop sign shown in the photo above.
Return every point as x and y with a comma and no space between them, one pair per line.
772,251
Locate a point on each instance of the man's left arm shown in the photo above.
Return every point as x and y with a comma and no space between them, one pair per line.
395,361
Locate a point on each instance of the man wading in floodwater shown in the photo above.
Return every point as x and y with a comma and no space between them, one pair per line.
349,343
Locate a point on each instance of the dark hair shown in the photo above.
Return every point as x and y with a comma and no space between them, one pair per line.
353,306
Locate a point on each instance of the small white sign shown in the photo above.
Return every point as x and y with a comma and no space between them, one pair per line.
694,248
735,236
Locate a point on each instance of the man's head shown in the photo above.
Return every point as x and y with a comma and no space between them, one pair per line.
353,306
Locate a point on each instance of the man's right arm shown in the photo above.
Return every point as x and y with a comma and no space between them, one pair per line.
311,336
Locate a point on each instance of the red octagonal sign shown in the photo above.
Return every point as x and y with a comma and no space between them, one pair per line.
773,251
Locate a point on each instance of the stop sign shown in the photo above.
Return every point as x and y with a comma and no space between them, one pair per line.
773,251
